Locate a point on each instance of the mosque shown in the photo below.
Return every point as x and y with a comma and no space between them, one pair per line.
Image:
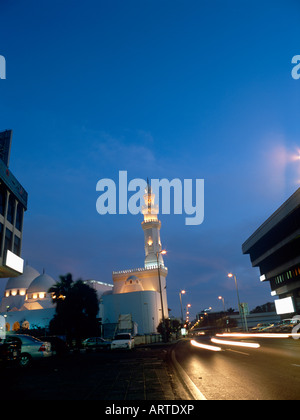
26,302
139,293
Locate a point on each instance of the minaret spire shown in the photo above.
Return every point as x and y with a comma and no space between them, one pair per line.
148,191
151,227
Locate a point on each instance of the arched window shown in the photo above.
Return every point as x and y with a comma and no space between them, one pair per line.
25,325
16,326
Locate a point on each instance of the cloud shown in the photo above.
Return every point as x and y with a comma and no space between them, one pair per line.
136,150
274,160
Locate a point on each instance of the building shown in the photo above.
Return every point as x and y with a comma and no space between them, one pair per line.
13,204
26,302
275,249
141,292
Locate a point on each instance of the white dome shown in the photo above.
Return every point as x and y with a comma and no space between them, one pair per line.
132,284
132,279
41,283
24,280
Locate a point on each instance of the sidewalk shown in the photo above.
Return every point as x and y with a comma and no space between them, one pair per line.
146,376
146,373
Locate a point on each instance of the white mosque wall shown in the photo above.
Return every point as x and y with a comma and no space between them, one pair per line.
29,319
145,308
148,281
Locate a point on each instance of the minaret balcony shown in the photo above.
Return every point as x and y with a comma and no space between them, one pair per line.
151,223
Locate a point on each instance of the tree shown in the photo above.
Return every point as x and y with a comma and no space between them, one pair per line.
267,307
171,325
77,307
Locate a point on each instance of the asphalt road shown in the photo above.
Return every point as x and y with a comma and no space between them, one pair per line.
270,372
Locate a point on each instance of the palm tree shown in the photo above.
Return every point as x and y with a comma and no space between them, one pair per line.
62,288
77,307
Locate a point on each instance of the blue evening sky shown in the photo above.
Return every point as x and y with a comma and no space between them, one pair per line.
163,89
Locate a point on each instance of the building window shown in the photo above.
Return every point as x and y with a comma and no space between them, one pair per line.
17,246
19,217
8,240
1,236
16,326
11,209
25,325
2,200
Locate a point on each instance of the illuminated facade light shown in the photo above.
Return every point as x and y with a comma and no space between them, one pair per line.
284,306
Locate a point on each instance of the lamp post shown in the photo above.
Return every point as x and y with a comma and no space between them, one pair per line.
222,299
188,312
163,252
182,292
241,310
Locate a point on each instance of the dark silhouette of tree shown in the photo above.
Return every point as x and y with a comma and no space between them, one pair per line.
171,326
77,307
267,307
230,311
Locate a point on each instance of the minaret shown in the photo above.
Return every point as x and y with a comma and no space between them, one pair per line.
151,227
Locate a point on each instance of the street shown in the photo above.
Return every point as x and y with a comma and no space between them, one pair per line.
177,371
271,372
141,374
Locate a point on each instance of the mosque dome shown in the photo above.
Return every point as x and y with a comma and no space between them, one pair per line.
132,279
41,284
24,280
132,284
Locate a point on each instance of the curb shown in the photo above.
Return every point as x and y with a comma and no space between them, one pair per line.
184,378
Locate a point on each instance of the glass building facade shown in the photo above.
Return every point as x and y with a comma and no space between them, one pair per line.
13,204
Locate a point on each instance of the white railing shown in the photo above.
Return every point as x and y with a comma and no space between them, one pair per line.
133,270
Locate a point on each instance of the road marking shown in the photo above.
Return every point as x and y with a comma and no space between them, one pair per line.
240,352
194,390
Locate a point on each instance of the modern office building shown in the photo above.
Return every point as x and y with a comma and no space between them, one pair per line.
275,249
13,204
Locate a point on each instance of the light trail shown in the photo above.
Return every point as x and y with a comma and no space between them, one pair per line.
256,335
236,343
205,346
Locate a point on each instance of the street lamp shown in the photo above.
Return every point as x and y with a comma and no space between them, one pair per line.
163,252
187,310
182,292
241,311
222,299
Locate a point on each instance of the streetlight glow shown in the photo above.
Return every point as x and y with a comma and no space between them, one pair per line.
241,310
161,297
182,292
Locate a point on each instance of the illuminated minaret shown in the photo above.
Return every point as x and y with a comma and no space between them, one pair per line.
151,227
142,292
